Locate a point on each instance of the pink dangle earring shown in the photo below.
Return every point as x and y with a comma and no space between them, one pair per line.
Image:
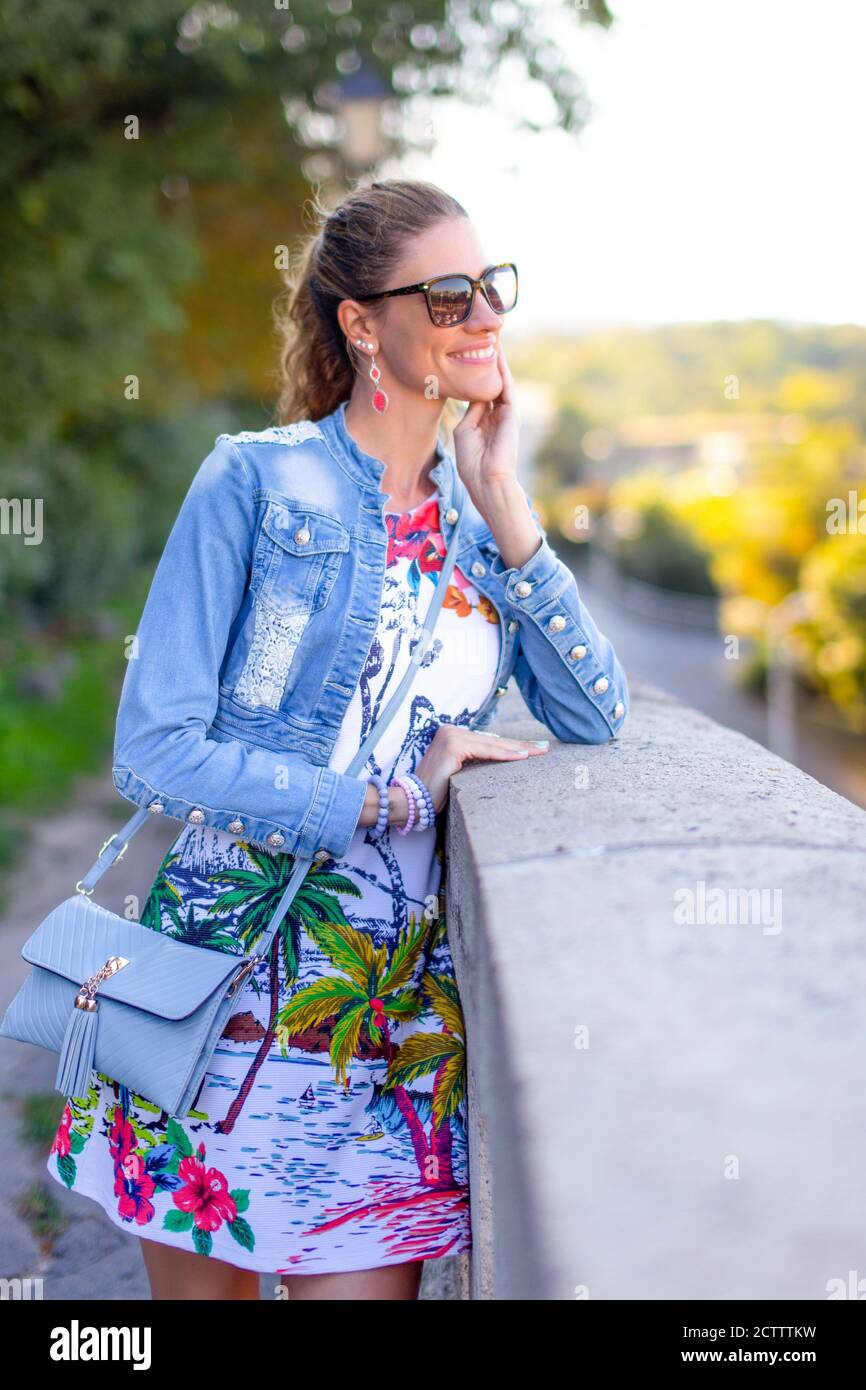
380,397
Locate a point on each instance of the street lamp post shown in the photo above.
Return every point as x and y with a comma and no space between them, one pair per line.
362,94
781,674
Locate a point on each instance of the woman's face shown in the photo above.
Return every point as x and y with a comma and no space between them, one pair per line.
417,354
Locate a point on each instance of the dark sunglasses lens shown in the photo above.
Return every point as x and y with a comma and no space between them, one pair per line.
450,299
502,288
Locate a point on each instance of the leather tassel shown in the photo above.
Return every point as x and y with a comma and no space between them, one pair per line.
77,1053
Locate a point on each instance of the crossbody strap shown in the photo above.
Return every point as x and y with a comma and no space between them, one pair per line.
115,846
419,651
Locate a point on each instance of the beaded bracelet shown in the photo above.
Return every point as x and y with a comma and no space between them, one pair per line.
379,828
412,797
431,810
427,813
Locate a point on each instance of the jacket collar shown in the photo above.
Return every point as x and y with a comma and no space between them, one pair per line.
367,470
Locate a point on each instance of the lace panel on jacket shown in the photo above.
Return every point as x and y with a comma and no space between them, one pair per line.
275,640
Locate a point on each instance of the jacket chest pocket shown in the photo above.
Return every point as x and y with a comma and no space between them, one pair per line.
297,559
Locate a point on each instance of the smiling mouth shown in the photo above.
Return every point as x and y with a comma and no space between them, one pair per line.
486,354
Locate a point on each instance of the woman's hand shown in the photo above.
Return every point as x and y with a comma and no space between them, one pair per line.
485,452
454,746
485,440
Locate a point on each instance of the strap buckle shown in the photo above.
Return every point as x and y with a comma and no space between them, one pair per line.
86,892
107,843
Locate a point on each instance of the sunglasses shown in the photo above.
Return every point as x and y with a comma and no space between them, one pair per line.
450,297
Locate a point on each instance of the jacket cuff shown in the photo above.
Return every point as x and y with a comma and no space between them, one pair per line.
338,804
335,795
542,570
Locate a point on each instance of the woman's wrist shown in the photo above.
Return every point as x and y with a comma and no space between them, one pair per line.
398,806
399,812
506,511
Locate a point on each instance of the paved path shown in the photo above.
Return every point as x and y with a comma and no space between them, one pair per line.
89,1258
690,664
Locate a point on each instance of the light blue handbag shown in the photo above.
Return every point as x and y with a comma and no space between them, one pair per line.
162,1004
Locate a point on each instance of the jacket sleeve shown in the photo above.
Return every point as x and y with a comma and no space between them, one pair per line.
162,751
566,670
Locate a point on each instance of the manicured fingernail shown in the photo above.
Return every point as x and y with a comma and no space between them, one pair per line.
541,742
523,752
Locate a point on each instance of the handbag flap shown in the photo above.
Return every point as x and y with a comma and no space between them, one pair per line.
164,977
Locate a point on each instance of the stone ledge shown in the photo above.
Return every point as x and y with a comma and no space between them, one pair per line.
736,1043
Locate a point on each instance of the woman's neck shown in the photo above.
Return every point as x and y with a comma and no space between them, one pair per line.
404,439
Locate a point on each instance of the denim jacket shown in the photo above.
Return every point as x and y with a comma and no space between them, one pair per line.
259,620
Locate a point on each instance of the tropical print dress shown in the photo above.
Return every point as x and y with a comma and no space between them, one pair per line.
329,1133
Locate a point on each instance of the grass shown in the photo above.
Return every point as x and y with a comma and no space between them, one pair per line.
46,744
40,1209
38,1206
40,1116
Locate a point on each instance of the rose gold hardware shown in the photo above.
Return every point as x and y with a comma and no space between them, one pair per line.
86,996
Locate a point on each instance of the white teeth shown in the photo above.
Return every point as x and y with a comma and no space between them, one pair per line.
478,354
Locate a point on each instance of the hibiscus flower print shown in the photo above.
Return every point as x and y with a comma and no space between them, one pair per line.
205,1193
134,1187
61,1144
73,1131
415,536
134,1183
145,1170
204,1203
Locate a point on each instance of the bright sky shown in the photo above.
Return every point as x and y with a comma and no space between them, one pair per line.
721,175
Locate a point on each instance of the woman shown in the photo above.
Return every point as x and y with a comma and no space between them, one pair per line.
328,1140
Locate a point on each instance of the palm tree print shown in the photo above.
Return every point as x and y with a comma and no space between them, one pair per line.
251,901
164,899
367,992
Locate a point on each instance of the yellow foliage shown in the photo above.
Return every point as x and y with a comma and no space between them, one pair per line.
768,536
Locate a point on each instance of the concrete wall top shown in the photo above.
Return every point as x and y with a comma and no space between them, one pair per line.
661,953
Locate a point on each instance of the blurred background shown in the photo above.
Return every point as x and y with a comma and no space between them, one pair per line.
678,185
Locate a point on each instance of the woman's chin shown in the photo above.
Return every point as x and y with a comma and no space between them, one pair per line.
473,384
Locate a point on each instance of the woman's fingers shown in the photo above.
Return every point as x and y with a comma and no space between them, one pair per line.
478,743
454,745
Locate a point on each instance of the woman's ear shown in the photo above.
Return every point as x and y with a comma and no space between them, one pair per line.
356,323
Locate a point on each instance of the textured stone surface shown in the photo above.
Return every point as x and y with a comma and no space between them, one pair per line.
705,1139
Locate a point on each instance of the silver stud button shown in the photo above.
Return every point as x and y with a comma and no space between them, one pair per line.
618,710
478,569
557,623
321,855
601,685
513,625
302,536
451,515
577,653
196,816
276,838
523,588
156,807
236,826
501,689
